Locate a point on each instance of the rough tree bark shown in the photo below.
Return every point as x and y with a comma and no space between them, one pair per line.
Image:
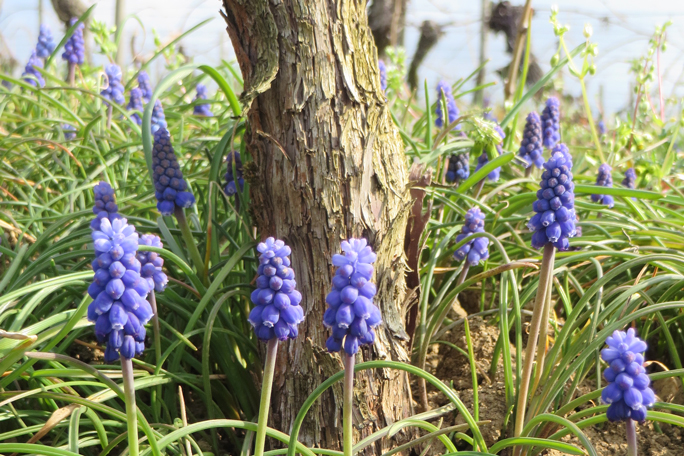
328,164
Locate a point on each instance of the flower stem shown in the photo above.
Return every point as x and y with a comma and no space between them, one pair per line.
109,116
71,76
631,438
131,409
156,393
266,386
545,277
190,243
348,404
590,118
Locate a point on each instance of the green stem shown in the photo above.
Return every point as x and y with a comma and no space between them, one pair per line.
71,76
545,277
348,404
156,393
131,410
590,118
190,243
631,438
266,386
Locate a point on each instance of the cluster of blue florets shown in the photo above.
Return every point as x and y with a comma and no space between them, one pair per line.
69,131
231,187
145,85
114,90
477,249
602,127
158,120
202,109
46,44
628,391
135,103
444,91
74,49
531,145
483,159
32,70
604,179
550,119
555,216
119,308
351,313
277,311
630,179
458,167
105,205
171,190
383,75
151,263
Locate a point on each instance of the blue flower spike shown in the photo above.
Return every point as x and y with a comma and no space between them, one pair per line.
483,159
458,168
477,249
550,119
628,393
202,109
170,187
158,120
277,311
351,313
444,92
531,145
383,75
32,70
114,90
74,48
145,85
630,179
119,309
604,179
69,131
234,181
46,44
135,103
151,263
555,217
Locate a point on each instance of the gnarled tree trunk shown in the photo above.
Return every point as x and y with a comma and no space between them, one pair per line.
328,164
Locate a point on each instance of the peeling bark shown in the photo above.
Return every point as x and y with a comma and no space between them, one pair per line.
328,163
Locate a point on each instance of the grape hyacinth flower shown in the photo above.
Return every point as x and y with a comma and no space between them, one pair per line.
602,127
105,205
169,185
32,70
151,263
231,188
158,120
483,159
554,221
444,90
277,311
202,109
69,131
476,249
604,179
74,49
383,75
114,91
630,179
145,85
563,150
551,122
458,168
628,391
351,313
531,145
135,103
119,308
46,44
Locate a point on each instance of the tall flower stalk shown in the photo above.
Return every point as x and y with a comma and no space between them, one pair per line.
552,225
352,316
74,50
119,308
275,317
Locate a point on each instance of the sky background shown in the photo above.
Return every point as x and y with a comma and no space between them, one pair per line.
622,29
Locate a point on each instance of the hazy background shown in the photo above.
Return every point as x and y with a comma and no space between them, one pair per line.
622,29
